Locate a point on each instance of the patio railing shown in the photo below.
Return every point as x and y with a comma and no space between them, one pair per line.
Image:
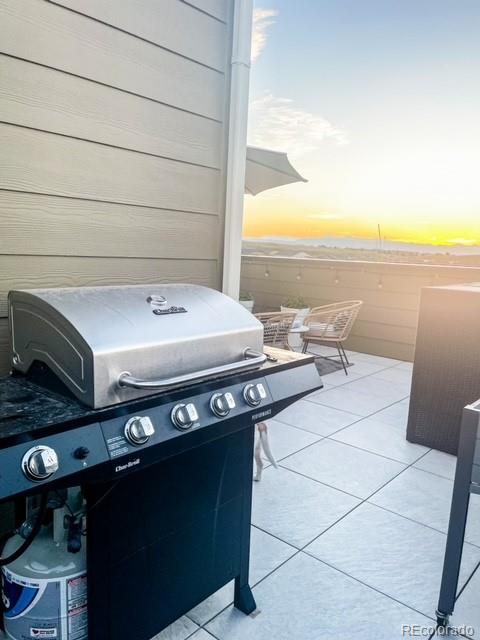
391,293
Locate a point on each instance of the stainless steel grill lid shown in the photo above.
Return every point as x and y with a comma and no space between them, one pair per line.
112,344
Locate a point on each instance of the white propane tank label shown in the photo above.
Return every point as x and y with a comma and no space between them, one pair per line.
45,609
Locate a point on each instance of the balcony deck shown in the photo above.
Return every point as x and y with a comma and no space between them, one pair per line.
349,532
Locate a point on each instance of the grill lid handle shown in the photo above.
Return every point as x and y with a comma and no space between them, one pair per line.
251,360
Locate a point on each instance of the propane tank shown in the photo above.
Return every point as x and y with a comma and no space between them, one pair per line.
44,591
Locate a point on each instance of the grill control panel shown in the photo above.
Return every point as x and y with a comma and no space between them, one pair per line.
24,467
100,450
172,419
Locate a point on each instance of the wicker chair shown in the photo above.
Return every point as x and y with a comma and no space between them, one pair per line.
331,323
276,327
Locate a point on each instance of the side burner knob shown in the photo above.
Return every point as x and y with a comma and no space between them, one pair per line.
39,463
138,430
184,416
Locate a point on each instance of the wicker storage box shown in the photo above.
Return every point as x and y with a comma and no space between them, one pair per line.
446,372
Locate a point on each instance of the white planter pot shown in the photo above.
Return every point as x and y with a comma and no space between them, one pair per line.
295,340
248,304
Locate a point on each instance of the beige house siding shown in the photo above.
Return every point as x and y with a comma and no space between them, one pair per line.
112,137
387,322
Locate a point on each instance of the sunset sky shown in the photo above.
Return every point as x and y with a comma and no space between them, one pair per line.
377,103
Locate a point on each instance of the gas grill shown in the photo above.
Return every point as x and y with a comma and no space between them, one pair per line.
147,397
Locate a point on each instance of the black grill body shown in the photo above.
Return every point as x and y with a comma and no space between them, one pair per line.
169,521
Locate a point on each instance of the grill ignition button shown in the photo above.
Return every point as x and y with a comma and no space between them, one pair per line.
81,453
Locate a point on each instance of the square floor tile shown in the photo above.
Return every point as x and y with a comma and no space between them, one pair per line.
285,439
381,438
380,360
364,367
467,607
400,558
296,509
308,415
347,468
178,630
201,634
440,463
338,378
407,366
346,399
325,387
396,415
426,498
266,554
395,374
377,387
307,600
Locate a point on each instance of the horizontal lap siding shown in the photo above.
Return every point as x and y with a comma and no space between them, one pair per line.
113,135
41,98
171,24
41,162
217,8
50,35
34,224
390,292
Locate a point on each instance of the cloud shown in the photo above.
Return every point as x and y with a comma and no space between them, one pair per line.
263,19
276,123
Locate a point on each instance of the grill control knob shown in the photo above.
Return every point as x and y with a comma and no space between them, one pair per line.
222,403
39,463
184,416
138,430
253,394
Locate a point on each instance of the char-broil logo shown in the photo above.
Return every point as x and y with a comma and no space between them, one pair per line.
127,465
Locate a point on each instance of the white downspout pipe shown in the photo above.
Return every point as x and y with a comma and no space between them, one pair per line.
237,145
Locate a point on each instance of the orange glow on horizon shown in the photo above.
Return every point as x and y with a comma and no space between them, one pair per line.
286,218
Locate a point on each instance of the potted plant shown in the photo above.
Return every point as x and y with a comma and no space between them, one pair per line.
246,299
301,309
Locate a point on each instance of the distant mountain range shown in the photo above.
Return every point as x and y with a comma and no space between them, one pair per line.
373,245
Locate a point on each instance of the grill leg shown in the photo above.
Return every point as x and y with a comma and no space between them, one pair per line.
243,598
305,346
458,517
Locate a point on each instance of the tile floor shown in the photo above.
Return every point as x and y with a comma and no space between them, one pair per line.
349,532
